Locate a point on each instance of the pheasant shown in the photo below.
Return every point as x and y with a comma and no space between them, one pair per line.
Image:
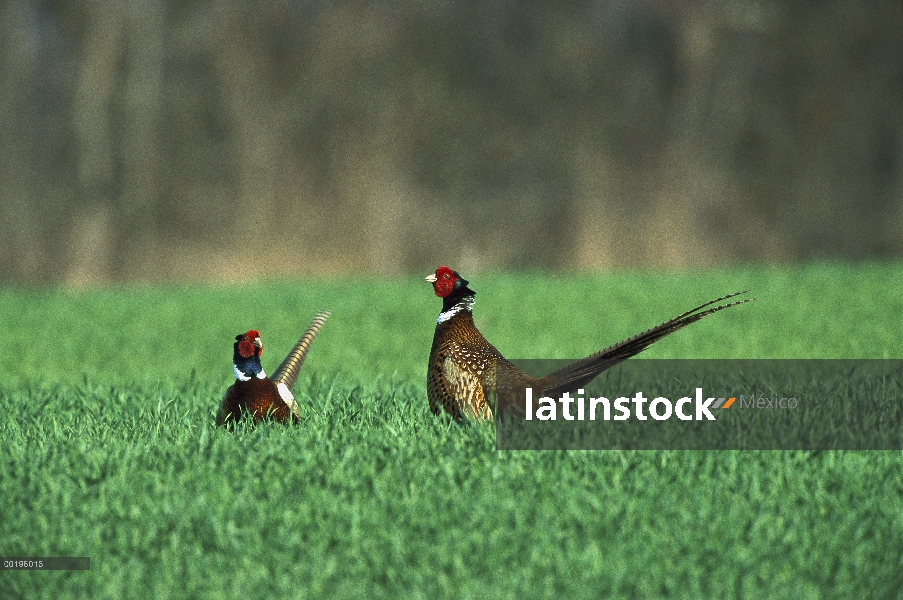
255,393
467,373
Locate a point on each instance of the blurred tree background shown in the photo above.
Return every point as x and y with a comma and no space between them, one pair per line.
158,140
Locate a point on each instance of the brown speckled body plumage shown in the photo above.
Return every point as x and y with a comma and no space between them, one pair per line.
259,398
468,377
466,372
459,361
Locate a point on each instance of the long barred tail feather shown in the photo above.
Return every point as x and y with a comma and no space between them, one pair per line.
288,371
585,370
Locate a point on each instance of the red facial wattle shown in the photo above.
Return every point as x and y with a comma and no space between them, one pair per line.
445,282
246,347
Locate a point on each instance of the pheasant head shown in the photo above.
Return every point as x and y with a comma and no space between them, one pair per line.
246,356
451,287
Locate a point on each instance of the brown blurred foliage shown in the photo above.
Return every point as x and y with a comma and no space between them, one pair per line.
158,140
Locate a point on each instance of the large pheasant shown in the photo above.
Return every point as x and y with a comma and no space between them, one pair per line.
257,395
467,374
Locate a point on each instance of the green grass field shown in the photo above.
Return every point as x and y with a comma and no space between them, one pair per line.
108,449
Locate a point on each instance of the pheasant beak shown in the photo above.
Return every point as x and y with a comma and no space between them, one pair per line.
257,343
431,278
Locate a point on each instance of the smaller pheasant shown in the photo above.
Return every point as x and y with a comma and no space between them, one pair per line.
467,375
256,394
